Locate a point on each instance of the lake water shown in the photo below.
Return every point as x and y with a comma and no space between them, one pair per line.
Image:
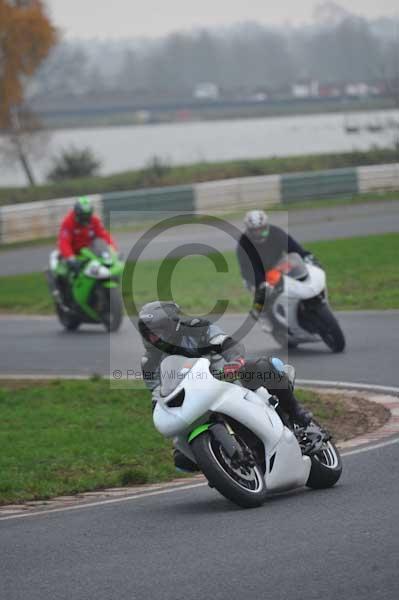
124,148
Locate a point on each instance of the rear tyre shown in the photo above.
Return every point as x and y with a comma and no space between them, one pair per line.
244,486
69,321
329,329
326,467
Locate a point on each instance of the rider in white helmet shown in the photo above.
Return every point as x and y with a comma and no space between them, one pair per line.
259,249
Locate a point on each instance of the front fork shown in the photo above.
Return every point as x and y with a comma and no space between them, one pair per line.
222,432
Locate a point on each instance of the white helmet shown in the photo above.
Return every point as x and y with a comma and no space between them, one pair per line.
257,225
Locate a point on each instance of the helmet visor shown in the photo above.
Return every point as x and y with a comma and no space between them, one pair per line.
260,234
83,218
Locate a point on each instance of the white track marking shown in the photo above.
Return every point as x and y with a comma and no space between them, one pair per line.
174,488
371,447
350,386
103,502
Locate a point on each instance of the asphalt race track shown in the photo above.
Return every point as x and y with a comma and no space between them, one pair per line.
305,225
330,544
191,543
186,544
39,346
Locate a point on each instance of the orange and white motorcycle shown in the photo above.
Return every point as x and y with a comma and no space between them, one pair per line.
298,311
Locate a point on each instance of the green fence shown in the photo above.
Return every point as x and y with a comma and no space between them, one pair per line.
134,206
317,185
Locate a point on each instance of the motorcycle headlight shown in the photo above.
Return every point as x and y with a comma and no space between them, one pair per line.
96,270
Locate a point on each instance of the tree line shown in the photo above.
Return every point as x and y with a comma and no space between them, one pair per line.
238,59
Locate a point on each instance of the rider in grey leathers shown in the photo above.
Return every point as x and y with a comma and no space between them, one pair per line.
166,332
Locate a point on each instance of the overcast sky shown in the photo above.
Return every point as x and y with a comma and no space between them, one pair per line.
132,18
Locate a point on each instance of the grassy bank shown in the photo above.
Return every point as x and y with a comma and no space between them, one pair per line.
64,437
159,174
362,273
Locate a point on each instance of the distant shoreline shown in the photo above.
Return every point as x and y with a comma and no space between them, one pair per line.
75,116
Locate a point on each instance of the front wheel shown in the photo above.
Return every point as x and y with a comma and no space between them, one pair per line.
69,321
329,329
326,467
113,312
243,485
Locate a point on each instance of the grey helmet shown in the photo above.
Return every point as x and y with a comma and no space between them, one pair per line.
257,225
158,323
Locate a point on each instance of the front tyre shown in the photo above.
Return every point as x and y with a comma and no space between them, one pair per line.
243,485
69,321
326,467
330,330
113,313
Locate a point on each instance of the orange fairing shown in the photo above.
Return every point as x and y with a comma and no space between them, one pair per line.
273,277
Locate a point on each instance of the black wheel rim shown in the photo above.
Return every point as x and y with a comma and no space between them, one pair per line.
248,478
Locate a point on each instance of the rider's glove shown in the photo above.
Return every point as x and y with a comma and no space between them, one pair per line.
231,370
73,265
310,259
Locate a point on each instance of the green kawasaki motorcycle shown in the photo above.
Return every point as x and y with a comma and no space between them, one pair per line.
92,294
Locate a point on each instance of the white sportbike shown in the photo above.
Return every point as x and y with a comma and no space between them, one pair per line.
299,311
236,436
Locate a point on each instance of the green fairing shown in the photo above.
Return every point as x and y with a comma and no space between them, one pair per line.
197,431
82,288
83,285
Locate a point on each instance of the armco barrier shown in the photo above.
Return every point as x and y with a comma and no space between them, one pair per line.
35,220
378,178
235,193
299,187
132,205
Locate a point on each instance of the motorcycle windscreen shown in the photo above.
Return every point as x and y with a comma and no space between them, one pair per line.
99,246
173,370
293,266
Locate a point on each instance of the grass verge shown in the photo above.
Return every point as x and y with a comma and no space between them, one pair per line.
65,437
362,273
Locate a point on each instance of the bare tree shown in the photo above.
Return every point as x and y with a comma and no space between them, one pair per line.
26,36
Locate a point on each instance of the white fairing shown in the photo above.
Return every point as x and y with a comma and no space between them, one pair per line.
285,466
96,270
53,260
285,306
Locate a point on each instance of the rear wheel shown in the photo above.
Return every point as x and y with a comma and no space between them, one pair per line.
329,329
326,467
244,484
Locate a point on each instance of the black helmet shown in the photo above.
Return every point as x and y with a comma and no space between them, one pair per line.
159,323
83,210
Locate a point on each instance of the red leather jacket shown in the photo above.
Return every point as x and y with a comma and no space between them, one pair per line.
73,236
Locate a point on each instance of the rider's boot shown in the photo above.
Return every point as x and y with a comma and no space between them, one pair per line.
259,301
282,387
256,310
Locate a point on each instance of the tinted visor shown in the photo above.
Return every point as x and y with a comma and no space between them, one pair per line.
84,218
260,234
